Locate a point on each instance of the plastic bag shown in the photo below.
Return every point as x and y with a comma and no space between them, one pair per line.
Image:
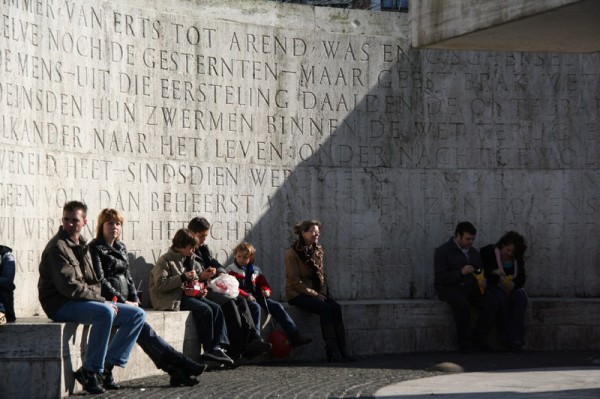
225,284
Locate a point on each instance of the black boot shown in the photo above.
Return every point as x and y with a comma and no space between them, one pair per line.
331,344
256,347
297,340
179,377
89,380
183,362
340,333
107,378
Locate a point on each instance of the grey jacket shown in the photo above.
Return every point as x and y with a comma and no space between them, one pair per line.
167,280
66,274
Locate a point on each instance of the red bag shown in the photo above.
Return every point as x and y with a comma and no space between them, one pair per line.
195,289
280,344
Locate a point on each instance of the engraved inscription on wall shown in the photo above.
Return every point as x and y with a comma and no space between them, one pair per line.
165,116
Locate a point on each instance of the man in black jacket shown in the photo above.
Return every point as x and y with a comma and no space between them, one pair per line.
243,334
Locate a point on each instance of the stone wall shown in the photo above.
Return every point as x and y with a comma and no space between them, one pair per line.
257,115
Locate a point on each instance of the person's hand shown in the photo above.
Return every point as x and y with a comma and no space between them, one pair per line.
482,283
210,272
266,293
207,274
190,275
508,284
251,298
136,304
322,297
467,269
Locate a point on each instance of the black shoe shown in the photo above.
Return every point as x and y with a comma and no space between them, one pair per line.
108,380
219,356
334,355
297,340
194,368
515,346
180,378
257,347
346,357
89,380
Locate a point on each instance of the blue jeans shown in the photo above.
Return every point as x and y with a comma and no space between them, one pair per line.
129,320
511,313
209,320
277,312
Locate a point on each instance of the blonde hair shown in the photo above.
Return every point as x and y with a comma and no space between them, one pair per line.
105,216
245,248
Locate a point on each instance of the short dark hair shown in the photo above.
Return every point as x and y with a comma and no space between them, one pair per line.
516,239
75,206
198,224
184,238
465,227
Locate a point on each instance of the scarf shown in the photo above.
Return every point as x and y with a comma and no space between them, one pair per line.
248,283
313,258
499,262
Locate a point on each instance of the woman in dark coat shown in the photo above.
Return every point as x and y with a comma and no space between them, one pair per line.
505,273
109,256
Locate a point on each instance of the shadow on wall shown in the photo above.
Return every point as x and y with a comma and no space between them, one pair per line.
417,154
358,183
140,272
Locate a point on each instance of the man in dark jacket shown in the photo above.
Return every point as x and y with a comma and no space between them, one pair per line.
69,291
456,264
243,334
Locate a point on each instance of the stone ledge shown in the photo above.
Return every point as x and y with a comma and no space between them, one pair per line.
51,351
36,346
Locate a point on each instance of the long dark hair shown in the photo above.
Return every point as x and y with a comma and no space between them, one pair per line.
305,226
516,239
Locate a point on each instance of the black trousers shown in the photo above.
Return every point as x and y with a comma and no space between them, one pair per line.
461,298
240,326
154,346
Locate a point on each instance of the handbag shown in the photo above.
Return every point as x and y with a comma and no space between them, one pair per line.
280,342
195,289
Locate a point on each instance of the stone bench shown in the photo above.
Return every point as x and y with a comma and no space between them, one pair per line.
426,325
37,356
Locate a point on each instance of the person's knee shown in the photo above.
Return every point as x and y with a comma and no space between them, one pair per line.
140,315
104,312
276,307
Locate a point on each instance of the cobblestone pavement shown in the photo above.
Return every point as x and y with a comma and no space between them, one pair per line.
360,379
